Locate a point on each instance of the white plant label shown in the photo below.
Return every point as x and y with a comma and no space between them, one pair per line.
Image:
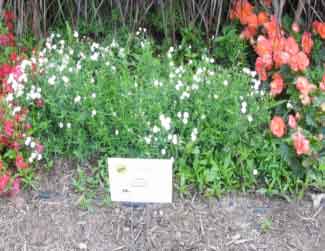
141,180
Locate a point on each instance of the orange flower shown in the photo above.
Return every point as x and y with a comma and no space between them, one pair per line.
277,84
292,122
263,46
248,33
242,9
291,46
300,143
299,62
319,28
252,20
307,42
262,18
272,28
277,126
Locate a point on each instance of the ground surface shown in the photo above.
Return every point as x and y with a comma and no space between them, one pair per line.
236,222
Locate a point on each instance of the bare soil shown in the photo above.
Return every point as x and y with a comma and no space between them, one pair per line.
33,221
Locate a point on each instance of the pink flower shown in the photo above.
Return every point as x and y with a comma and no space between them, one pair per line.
303,86
277,84
15,189
8,127
39,148
292,122
322,86
4,180
277,126
300,143
295,27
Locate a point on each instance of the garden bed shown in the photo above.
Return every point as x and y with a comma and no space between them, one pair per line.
49,219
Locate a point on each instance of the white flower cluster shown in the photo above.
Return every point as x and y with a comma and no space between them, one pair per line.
34,155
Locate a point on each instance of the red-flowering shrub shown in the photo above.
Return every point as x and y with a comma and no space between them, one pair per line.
18,149
286,56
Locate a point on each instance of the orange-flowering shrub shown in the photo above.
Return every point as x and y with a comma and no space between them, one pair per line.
284,63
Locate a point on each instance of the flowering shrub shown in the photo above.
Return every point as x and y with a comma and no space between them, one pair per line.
287,66
18,149
117,100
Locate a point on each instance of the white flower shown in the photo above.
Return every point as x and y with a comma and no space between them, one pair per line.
32,144
75,34
163,151
10,97
93,95
225,83
28,140
116,132
61,125
52,80
165,122
39,156
175,139
155,129
68,125
289,105
147,139
93,113
194,134
92,80
249,118
243,110
77,99
65,79
95,56
244,104
255,172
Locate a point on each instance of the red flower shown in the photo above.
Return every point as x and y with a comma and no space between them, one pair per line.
300,143
292,122
260,69
277,84
20,163
319,28
4,40
277,126
8,127
307,42
8,16
4,180
39,103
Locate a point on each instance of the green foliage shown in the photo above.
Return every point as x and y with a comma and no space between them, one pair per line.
229,48
123,100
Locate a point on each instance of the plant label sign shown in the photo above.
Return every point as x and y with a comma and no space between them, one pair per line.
141,180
